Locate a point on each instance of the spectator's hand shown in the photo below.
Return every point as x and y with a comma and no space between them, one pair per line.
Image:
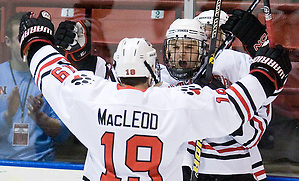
13,103
34,106
74,39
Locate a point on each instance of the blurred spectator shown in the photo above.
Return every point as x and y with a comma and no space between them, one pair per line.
29,127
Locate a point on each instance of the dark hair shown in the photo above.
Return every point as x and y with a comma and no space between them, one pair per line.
15,19
133,81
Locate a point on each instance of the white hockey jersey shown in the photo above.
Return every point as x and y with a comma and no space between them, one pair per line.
236,153
136,134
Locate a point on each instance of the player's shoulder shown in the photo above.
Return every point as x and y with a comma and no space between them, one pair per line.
232,57
235,54
191,89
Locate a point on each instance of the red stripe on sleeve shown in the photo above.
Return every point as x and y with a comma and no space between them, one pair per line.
259,173
261,128
242,101
46,65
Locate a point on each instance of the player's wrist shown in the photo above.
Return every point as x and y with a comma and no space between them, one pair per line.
34,47
265,81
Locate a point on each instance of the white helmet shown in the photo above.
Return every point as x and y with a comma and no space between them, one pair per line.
186,28
185,62
206,17
131,57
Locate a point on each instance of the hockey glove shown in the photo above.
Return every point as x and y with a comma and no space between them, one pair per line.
247,28
271,67
65,34
213,84
33,30
74,39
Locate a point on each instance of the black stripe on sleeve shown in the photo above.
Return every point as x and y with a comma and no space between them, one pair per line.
41,80
85,178
228,143
229,157
42,60
257,164
237,107
254,136
248,95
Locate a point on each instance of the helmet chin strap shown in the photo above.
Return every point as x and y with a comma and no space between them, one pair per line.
149,68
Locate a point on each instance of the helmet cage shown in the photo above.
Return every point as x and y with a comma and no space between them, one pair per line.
187,67
206,19
220,36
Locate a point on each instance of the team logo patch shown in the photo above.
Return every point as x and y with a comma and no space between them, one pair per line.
191,89
82,79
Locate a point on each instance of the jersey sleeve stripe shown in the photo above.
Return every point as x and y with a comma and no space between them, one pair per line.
248,95
228,143
261,172
229,157
253,137
237,107
45,66
230,149
42,60
245,105
43,75
261,128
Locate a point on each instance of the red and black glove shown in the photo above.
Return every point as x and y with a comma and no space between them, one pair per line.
33,30
271,67
73,40
247,28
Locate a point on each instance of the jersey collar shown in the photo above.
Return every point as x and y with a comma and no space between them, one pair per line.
119,87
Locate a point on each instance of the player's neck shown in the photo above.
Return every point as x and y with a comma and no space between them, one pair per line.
139,86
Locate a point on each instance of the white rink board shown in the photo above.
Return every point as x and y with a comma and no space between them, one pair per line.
12,173
25,173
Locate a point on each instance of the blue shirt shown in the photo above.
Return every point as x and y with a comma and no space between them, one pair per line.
41,147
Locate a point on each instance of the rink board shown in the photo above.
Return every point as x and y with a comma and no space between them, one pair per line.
37,171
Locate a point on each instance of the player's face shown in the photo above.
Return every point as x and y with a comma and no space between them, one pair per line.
208,29
184,53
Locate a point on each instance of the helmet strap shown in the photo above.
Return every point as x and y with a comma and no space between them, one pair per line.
149,68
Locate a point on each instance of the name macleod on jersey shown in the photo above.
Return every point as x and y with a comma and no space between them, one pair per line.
134,119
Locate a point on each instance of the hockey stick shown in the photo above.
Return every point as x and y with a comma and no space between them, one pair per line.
269,24
231,38
195,166
211,55
214,32
228,41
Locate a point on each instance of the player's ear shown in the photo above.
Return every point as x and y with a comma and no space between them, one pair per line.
7,41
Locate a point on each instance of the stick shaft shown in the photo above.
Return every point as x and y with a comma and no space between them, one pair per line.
214,32
269,24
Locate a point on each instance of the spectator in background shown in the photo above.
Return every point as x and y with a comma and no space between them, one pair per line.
29,127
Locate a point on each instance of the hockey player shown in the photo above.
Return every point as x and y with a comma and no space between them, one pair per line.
130,128
206,19
246,141
225,158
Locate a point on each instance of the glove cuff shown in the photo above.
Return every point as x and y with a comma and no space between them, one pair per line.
26,45
265,80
